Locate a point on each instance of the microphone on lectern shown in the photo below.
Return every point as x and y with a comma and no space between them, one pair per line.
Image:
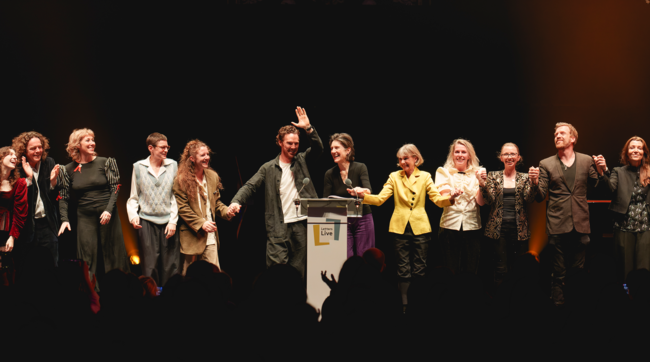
305,182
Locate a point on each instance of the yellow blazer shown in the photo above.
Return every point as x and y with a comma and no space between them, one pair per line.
410,196
193,238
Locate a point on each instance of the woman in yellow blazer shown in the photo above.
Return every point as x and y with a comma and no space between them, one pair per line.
410,223
196,188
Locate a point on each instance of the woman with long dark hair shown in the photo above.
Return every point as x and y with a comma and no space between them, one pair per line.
196,189
630,184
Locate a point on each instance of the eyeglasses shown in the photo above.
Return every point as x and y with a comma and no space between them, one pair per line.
507,155
166,148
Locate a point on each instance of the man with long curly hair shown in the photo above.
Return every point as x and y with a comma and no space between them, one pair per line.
40,172
283,176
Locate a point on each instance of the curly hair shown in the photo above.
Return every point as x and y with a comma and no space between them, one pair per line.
75,141
187,174
645,161
283,132
19,144
15,175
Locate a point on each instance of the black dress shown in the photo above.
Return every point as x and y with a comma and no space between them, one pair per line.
94,186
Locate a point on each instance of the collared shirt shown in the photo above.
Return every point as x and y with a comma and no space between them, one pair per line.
39,208
465,211
132,204
212,239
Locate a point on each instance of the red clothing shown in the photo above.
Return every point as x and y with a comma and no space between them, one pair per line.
13,208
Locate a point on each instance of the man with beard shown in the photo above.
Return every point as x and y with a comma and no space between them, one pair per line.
283,178
565,177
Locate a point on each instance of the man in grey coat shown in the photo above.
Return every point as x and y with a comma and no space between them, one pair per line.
283,179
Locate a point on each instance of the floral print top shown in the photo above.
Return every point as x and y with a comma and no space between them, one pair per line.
636,218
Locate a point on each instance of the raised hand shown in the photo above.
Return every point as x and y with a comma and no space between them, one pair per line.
600,163
533,175
303,120
28,169
54,175
481,176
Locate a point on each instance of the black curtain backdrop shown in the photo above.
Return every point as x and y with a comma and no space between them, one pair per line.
490,72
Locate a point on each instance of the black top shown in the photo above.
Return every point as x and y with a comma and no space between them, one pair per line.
48,197
636,218
509,205
569,173
357,173
94,184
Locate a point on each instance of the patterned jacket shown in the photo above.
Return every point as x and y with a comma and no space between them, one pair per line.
493,195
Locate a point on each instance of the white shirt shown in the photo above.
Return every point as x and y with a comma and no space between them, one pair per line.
39,208
288,193
465,211
132,205
212,239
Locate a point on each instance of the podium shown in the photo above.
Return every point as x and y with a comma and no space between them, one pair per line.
327,242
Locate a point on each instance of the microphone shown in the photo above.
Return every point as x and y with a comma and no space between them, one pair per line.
357,202
296,202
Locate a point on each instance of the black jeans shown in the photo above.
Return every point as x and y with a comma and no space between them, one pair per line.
508,248
569,251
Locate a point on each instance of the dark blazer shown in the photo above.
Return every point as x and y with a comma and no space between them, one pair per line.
566,208
357,173
47,196
621,182
192,216
493,195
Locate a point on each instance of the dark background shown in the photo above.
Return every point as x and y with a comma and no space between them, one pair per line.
491,72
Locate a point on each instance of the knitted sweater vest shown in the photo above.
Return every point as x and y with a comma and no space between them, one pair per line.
155,195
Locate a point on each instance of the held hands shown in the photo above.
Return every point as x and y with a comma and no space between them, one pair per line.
533,175
54,175
481,176
136,223
303,120
233,209
600,164
105,217
170,230
209,226
64,225
361,192
28,169
455,193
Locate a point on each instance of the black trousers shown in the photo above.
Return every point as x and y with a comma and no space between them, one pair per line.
290,249
569,251
411,248
461,249
508,247
159,256
632,251
91,236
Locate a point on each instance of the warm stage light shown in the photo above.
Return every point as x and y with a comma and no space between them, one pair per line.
135,260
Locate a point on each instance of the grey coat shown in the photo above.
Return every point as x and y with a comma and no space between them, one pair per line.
270,175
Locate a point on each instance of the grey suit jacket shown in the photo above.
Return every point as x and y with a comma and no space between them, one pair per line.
567,208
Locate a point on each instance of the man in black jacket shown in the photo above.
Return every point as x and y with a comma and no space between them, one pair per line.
283,179
41,173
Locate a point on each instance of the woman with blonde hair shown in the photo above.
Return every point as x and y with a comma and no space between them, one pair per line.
630,185
13,206
94,183
460,223
410,223
196,188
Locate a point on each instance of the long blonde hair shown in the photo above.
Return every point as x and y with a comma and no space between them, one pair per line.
75,141
473,161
